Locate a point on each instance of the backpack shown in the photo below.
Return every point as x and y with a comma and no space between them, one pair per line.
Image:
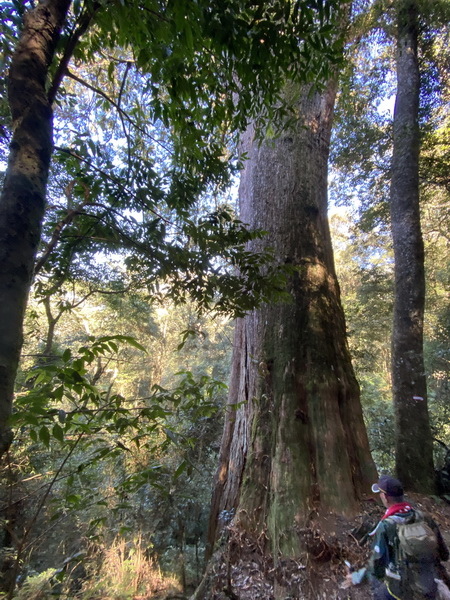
416,553
416,540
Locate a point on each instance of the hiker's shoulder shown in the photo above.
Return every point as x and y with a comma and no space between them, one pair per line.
385,527
421,515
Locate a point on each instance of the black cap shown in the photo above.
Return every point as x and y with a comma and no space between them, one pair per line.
389,485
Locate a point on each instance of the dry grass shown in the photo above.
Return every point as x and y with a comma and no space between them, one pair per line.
126,573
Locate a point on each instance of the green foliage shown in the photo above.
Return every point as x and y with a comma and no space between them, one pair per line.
361,148
149,236
199,54
142,135
362,139
361,178
364,266
111,439
140,244
365,270
38,587
101,448
379,418
65,408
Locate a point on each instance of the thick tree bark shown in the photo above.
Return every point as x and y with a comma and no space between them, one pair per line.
297,444
22,202
414,451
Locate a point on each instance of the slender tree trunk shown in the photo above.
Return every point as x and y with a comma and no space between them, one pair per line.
52,322
296,446
414,451
22,201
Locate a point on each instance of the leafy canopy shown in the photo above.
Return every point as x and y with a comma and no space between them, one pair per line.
150,98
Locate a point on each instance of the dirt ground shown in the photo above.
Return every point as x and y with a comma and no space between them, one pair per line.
241,571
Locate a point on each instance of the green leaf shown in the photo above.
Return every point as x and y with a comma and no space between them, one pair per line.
180,469
58,432
74,499
188,35
128,339
124,529
97,522
171,435
44,436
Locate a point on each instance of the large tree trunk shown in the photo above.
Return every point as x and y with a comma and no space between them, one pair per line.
22,202
414,451
296,446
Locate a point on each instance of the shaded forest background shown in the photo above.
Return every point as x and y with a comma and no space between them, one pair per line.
121,389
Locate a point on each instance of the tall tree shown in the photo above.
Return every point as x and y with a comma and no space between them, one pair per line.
296,445
413,34
414,448
22,202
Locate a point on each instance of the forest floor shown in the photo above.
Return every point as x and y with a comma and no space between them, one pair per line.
243,572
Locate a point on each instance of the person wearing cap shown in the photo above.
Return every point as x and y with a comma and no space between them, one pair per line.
381,570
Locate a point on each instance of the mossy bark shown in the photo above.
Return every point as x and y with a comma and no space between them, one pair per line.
297,445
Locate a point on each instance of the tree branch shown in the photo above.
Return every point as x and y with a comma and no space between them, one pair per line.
122,113
113,179
84,22
121,116
71,214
